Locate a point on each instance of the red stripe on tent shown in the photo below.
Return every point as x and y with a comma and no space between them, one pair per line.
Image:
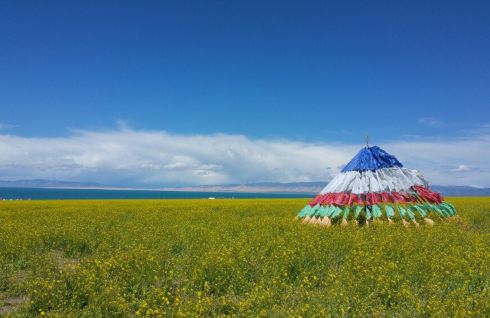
369,201
341,199
428,195
398,198
316,200
352,199
328,198
386,197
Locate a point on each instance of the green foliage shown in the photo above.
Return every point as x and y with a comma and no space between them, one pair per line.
188,258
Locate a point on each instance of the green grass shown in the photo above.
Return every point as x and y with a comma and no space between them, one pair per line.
188,258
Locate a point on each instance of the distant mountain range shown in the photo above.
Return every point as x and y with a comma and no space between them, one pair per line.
260,187
461,191
315,187
42,183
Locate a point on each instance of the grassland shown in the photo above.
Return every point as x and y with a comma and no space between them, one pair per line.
187,258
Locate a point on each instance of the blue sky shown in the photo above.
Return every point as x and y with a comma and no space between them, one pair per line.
298,71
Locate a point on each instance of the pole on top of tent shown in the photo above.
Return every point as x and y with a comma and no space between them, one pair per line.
367,140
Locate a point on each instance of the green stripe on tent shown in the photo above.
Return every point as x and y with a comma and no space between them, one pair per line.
421,210
322,211
444,209
368,213
336,212
376,211
358,211
449,208
329,210
390,212
305,211
346,212
433,208
314,209
410,213
402,211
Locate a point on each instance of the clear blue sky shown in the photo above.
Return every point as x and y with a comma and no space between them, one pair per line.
301,70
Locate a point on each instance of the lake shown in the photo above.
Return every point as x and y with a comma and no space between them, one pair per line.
77,194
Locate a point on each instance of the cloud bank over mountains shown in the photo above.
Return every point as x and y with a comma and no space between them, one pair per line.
127,157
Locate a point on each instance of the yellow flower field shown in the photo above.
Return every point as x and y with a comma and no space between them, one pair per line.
244,258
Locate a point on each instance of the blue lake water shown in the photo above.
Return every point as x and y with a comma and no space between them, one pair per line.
77,194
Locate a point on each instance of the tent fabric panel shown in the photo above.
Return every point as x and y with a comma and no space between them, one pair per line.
371,158
383,180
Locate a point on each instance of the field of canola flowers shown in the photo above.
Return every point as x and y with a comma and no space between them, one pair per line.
244,258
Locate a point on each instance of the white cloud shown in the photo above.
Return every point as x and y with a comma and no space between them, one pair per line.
155,158
132,157
461,168
436,159
430,122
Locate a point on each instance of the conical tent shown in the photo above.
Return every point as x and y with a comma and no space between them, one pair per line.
374,185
